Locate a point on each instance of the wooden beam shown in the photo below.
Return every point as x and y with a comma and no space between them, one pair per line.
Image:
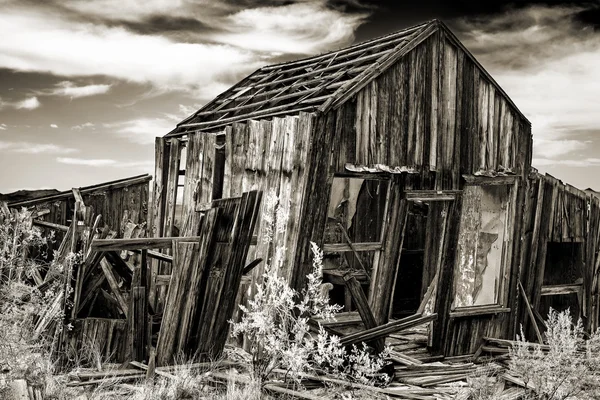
51,225
362,304
531,315
155,255
158,372
430,290
139,243
490,180
346,247
77,195
386,329
138,323
431,195
114,286
553,290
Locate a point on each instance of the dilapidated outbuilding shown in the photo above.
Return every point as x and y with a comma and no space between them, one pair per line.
409,166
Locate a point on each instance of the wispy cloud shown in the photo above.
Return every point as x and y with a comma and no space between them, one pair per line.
301,28
214,44
581,163
35,148
142,130
3,127
547,62
106,162
69,89
112,51
53,126
30,103
83,126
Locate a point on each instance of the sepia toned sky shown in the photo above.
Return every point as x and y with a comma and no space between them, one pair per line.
86,85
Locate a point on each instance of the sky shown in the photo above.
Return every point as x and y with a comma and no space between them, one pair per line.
86,85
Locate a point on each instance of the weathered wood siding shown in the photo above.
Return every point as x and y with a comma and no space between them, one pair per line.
266,155
435,111
117,206
559,213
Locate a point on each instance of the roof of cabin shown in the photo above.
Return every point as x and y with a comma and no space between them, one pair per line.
310,84
101,187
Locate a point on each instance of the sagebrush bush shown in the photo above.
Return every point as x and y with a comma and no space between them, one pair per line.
276,323
23,353
571,367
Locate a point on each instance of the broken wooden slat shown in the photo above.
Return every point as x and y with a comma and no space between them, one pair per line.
385,271
362,304
530,312
138,323
245,223
386,329
114,286
51,225
158,372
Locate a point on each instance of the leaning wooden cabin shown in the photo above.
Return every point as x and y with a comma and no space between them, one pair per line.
407,163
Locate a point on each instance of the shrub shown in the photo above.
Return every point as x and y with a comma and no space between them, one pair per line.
276,323
23,354
569,370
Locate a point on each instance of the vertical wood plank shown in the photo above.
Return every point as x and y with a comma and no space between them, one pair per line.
435,103
227,175
139,312
171,185
239,148
205,190
384,273
193,177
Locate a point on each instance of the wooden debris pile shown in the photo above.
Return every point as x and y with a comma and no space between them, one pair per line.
107,297
417,374
206,269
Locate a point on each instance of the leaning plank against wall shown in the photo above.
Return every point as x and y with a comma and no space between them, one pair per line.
268,155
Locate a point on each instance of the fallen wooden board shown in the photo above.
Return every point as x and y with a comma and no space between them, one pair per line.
158,372
386,329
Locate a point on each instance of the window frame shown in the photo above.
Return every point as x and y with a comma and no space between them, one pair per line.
361,246
501,304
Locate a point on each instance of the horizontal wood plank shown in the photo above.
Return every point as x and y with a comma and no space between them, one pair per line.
139,243
345,247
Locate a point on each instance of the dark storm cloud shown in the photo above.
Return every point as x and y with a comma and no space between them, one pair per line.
351,6
166,24
391,15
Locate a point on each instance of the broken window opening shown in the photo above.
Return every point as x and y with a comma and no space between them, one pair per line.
480,278
355,212
353,231
563,278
